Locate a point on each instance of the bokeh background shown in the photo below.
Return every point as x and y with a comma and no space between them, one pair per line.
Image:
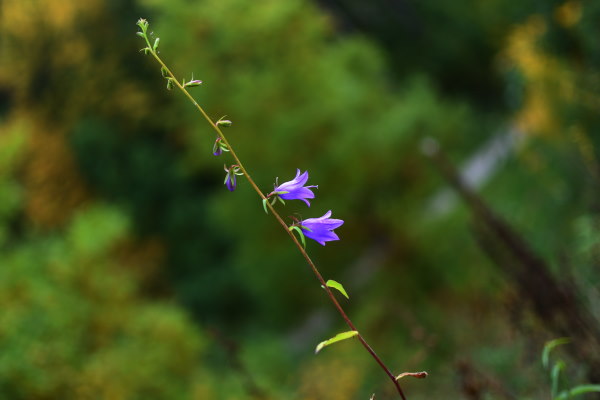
128,271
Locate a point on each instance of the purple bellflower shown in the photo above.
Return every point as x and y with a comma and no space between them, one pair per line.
295,189
321,229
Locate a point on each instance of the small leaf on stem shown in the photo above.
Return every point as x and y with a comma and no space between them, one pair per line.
555,376
338,286
300,233
418,375
336,338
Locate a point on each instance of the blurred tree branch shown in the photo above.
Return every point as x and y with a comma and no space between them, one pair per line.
555,303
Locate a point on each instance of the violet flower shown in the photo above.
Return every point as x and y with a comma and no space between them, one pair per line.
231,177
321,229
231,182
295,189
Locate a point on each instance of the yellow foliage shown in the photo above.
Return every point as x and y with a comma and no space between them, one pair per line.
23,17
42,36
59,55
330,379
568,14
543,77
54,187
552,84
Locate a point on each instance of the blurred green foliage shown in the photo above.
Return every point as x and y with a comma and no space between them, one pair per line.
128,271
74,324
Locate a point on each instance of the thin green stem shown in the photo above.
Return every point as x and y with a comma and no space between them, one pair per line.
279,220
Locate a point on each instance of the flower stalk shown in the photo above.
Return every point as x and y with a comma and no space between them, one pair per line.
239,169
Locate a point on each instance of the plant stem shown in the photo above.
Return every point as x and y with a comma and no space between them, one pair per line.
281,222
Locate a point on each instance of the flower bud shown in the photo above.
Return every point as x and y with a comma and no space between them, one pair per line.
219,147
231,176
217,150
224,123
192,83
231,181
143,24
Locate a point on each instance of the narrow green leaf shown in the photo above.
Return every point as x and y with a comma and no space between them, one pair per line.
555,376
577,391
265,205
549,346
140,34
156,44
336,338
338,286
583,389
301,234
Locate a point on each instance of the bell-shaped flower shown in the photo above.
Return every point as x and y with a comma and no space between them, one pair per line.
295,189
321,229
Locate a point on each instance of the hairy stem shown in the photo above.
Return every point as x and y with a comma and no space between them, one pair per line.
280,221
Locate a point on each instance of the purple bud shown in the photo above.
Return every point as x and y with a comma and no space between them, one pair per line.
231,181
231,177
217,150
